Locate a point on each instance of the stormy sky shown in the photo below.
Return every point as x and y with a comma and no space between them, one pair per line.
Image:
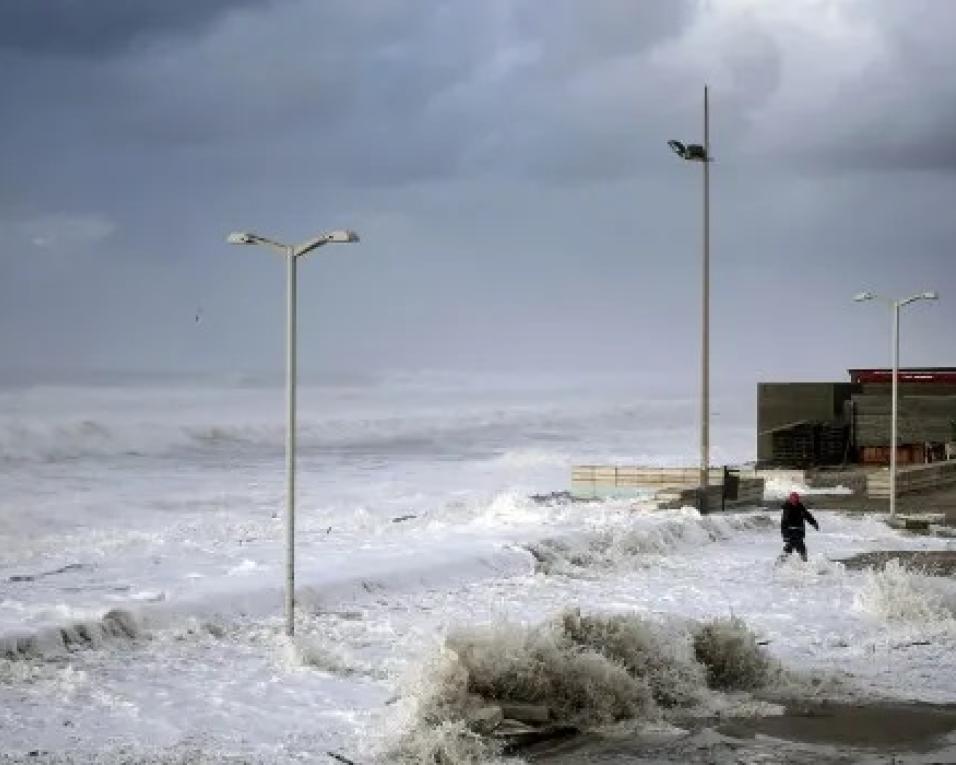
505,163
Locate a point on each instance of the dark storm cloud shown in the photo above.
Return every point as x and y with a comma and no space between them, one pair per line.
98,28
374,93
504,160
928,147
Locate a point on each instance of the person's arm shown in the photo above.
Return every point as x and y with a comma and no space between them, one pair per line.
783,522
810,519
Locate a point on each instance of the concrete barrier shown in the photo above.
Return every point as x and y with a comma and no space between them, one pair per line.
666,487
617,481
911,478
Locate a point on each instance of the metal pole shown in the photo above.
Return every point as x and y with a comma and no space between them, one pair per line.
290,446
894,394
705,322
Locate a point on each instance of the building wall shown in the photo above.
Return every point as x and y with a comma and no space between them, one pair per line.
927,413
920,419
780,404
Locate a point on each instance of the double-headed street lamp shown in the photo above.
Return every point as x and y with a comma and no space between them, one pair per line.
697,153
895,305
292,253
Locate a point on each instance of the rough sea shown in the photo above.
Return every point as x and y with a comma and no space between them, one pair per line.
141,574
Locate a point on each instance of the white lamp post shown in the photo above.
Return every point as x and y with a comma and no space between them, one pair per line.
697,153
895,305
292,253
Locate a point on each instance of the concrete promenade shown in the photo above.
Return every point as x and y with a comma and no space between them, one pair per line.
940,500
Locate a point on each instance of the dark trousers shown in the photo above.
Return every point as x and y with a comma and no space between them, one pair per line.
793,540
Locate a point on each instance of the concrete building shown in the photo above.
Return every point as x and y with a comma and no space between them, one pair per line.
831,423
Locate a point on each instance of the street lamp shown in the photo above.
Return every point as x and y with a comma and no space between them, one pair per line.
697,153
895,305
292,253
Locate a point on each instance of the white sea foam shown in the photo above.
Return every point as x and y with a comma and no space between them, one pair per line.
585,670
62,423
900,596
639,535
413,517
520,459
778,488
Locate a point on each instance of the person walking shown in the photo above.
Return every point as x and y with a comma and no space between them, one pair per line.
792,526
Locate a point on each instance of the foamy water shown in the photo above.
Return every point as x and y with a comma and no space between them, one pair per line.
141,572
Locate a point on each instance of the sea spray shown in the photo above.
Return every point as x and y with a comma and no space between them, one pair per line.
51,642
546,666
630,544
664,659
898,595
585,670
729,651
432,720
313,652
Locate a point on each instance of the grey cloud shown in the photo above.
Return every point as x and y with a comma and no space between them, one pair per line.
100,28
574,34
505,163
896,113
58,232
928,147
395,93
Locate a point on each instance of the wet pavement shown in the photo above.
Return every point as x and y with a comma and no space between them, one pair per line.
930,562
829,733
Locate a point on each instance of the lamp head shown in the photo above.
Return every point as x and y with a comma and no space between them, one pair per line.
691,151
678,148
930,296
861,296
240,237
342,236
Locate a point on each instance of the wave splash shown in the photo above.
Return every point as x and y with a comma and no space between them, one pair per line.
662,533
904,597
56,641
583,670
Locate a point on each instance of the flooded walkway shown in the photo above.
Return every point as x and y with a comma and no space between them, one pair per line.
903,734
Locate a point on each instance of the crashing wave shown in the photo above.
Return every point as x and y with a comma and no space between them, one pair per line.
581,670
117,624
901,596
659,534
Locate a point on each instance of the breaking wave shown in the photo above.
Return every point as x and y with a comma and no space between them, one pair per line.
900,596
117,624
37,441
660,533
575,670
71,423
86,438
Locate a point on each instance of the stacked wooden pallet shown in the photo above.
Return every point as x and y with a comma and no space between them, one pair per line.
795,445
831,443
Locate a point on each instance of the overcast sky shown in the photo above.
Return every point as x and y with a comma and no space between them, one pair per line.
505,163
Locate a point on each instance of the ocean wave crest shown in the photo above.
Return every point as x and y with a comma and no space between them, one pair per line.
65,423
660,533
578,670
900,596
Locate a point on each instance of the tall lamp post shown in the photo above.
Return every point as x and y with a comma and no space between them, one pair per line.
697,153
894,395
291,252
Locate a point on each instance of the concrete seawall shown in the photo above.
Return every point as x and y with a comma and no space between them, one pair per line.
666,487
